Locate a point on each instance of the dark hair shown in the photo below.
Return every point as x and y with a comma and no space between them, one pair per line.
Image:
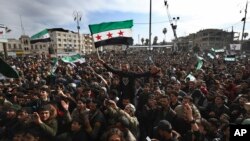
164,125
114,131
83,100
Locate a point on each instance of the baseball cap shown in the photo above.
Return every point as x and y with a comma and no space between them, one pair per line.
164,125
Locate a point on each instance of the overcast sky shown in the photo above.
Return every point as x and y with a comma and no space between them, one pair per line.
194,15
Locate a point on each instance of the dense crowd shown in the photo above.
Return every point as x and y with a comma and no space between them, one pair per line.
125,96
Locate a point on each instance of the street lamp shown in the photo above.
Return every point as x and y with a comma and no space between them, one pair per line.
174,27
77,17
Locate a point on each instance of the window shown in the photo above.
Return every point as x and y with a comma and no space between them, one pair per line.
14,46
32,47
59,45
64,40
36,47
59,40
59,34
41,47
9,46
20,47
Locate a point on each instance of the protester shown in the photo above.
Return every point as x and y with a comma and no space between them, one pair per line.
123,97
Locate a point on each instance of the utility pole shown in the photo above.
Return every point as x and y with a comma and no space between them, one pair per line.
150,15
77,17
244,23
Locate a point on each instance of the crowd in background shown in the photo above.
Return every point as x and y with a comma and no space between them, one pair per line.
125,96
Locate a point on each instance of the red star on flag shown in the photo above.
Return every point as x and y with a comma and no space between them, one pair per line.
98,37
120,33
109,35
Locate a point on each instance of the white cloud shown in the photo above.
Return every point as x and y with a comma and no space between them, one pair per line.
194,14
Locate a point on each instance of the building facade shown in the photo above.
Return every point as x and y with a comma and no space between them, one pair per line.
207,39
62,42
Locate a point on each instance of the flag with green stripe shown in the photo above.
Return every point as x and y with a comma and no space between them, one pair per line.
42,36
74,59
54,64
7,71
199,62
112,33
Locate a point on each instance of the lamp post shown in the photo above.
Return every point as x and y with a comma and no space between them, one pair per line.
77,17
174,27
6,30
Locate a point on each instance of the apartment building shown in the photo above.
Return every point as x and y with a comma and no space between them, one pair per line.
207,39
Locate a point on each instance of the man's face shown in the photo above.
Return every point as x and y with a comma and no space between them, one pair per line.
125,67
43,95
22,116
75,126
218,101
164,102
10,113
191,85
44,115
125,102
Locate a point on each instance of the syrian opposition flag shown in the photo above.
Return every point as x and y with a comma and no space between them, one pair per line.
210,55
54,64
42,36
199,63
230,58
7,71
112,33
74,59
190,77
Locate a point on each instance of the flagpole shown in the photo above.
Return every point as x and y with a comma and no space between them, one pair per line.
98,54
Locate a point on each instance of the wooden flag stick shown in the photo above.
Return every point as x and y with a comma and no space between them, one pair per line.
98,54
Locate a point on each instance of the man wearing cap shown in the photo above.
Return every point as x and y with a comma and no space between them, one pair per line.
164,132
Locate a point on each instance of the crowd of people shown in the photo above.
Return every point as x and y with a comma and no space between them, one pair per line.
125,96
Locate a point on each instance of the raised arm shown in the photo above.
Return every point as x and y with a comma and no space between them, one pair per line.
116,71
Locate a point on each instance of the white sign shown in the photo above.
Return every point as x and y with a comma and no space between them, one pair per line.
235,46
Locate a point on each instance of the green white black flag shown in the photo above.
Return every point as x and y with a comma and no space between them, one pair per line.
7,71
112,33
74,59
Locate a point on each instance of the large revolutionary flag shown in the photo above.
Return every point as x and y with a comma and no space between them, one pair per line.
7,71
112,33
42,36
74,59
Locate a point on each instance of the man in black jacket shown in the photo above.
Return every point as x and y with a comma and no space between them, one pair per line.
127,79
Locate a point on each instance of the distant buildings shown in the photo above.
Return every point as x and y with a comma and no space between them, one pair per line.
207,39
62,42
66,42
